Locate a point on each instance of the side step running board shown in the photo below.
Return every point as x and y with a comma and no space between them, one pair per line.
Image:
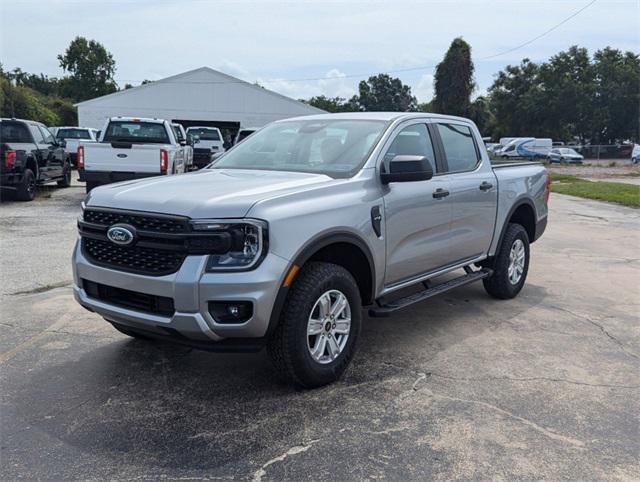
384,310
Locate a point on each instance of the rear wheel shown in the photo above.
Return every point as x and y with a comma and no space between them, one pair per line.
319,327
510,265
27,189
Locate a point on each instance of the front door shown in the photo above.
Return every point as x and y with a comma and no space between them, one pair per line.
417,214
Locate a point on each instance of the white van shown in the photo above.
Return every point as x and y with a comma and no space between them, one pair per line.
530,147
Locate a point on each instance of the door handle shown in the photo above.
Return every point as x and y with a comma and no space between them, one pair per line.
485,186
440,193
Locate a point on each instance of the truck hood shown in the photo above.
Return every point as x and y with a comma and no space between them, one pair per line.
210,193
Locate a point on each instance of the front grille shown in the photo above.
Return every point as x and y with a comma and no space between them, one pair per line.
155,223
157,305
155,262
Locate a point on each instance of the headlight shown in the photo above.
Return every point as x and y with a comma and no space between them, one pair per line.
248,244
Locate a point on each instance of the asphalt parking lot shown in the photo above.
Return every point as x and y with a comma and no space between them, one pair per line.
545,386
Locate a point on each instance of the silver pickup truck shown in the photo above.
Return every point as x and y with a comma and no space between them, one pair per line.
286,237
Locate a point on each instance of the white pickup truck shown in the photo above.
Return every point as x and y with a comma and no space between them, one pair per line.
208,143
130,148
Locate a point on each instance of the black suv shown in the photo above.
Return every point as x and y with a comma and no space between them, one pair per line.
30,155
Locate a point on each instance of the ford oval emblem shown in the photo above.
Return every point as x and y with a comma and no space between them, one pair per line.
121,234
122,156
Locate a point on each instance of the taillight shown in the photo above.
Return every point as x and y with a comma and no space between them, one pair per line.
547,188
164,160
80,157
10,158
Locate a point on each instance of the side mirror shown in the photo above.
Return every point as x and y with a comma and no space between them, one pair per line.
62,143
183,143
407,169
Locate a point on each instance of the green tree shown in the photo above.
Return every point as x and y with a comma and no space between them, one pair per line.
480,113
331,104
25,103
453,81
383,93
616,109
91,67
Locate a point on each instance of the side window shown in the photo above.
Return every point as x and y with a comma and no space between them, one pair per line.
47,136
413,140
459,147
37,134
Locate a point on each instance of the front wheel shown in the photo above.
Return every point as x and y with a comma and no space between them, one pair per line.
66,175
316,337
510,265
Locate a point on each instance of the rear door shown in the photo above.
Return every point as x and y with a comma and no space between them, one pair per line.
474,191
417,214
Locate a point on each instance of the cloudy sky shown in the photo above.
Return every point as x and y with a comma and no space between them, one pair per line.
307,48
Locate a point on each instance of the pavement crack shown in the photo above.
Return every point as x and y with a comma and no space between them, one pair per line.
297,449
538,428
532,379
601,328
42,289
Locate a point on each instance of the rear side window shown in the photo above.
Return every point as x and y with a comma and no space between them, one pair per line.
459,147
140,132
412,141
14,132
178,133
73,134
47,136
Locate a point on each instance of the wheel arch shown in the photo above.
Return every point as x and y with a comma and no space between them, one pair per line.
524,213
342,248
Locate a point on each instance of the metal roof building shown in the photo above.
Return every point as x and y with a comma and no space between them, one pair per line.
198,97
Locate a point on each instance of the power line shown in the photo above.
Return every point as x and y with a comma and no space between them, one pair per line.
394,71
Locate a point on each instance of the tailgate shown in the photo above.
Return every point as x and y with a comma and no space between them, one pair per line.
122,157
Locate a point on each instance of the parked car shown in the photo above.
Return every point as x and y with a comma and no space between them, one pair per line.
527,147
635,154
74,136
209,142
130,148
287,236
187,148
243,134
30,156
565,154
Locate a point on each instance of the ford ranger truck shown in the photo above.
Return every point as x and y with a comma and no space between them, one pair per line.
291,235
130,148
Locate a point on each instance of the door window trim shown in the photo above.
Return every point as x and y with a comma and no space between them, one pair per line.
438,160
478,163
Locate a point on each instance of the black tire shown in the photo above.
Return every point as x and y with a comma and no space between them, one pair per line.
131,333
288,345
26,191
499,284
66,175
89,185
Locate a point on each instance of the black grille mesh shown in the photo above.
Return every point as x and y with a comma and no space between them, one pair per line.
155,262
140,221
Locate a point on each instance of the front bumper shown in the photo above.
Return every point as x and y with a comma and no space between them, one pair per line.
191,289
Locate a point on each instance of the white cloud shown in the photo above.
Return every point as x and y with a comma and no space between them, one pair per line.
424,90
333,84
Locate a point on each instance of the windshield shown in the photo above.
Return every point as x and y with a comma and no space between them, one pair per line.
205,134
568,151
73,134
333,147
133,131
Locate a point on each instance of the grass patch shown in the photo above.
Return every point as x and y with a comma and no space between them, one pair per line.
616,192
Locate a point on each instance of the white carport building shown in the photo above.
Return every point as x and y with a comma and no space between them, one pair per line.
199,97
